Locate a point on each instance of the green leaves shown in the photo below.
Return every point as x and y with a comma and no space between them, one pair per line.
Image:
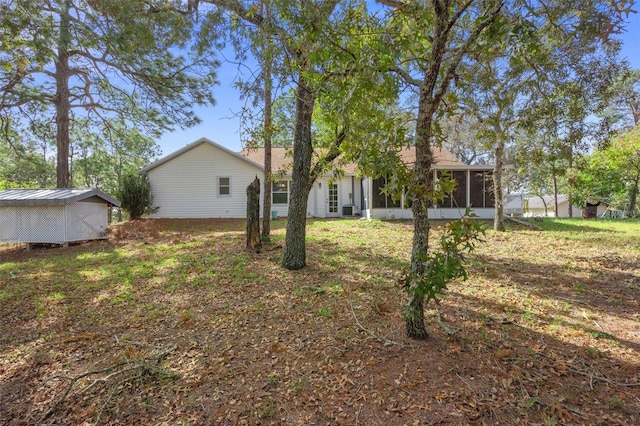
135,195
136,62
445,264
611,175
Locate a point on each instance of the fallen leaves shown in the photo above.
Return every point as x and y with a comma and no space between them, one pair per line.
253,347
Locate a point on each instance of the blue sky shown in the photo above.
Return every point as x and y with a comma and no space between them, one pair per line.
220,123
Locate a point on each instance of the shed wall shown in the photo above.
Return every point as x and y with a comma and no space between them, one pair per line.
54,224
188,185
32,224
86,221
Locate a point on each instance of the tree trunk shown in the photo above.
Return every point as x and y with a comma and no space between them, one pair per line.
421,184
266,206
253,214
498,220
633,199
569,166
544,203
555,195
295,255
62,99
266,203
414,318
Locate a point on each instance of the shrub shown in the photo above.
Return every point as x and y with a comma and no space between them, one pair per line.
135,195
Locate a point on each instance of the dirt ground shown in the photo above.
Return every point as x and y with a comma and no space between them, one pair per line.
173,322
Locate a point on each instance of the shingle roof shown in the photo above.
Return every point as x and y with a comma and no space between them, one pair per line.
281,158
33,197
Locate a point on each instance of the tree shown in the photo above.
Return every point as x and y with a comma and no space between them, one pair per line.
25,167
97,61
432,39
135,195
623,112
102,159
253,214
325,56
540,76
459,137
492,97
433,42
610,175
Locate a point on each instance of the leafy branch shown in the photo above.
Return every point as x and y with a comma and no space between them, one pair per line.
447,263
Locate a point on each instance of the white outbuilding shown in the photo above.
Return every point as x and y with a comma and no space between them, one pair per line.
57,216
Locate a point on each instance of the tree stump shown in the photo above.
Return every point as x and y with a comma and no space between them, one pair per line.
253,214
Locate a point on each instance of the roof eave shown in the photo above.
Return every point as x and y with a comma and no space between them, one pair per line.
194,145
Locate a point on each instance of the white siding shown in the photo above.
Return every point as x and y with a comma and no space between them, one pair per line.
316,202
187,185
439,213
318,205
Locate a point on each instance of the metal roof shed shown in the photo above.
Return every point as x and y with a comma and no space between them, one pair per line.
57,216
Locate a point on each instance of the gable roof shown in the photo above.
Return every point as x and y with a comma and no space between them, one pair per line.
196,144
49,197
281,159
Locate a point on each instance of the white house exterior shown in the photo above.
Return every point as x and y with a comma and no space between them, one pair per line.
201,180
473,189
535,207
206,180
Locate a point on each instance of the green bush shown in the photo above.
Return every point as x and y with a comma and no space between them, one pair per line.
135,195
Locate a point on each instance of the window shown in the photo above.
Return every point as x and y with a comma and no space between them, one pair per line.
457,198
280,192
224,186
482,189
380,200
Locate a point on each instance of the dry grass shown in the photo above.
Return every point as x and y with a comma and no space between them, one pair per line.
172,322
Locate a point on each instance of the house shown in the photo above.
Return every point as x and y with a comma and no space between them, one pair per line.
514,205
56,216
205,180
535,206
201,180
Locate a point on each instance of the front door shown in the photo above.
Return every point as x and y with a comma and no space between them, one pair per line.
332,200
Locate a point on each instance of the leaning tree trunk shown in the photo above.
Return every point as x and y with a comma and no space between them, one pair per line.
62,99
253,214
498,220
295,255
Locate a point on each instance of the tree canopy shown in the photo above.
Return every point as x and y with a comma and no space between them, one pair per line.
610,175
68,63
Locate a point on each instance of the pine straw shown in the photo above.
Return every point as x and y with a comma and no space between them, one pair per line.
546,331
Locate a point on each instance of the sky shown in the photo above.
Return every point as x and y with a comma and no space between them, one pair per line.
221,124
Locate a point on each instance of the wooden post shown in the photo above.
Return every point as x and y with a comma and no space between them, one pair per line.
253,214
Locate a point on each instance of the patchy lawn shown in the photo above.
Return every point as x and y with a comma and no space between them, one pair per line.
172,322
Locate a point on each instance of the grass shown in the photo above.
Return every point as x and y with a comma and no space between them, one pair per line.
546,328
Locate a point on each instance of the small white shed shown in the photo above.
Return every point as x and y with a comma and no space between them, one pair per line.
57,216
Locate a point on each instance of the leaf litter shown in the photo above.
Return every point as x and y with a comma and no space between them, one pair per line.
172,322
